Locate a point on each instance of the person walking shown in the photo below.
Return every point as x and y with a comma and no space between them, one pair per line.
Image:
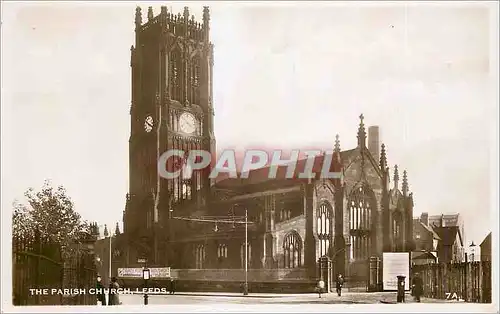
172,286
101,297
113,297
417,287
339,283
320,287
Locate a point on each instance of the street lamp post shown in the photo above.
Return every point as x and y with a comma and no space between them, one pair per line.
472,251
145,275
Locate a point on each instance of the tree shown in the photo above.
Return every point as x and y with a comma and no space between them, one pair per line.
117,230
22,222
51,212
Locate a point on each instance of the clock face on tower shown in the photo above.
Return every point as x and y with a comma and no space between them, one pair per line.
187,123
148,124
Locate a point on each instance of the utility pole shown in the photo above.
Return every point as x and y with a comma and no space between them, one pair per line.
245,291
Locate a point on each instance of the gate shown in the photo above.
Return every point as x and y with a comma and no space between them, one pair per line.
36,265
374,274
469,281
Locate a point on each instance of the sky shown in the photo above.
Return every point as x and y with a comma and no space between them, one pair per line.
285,75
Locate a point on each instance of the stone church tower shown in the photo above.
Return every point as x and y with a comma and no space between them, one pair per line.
171,108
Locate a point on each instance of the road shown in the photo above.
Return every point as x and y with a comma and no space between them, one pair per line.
234,298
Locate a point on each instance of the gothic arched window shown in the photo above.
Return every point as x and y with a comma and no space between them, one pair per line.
200,256
249,254
176,74
195,80
324,228
186,190
285,214
292,247
360,222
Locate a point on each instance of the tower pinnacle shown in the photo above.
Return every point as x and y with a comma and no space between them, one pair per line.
138,17
150,13
337,144
405,183
383,158
396,177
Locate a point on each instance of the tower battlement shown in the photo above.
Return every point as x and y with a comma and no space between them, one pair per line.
182,25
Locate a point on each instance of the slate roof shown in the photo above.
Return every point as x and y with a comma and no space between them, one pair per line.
431,230
450,220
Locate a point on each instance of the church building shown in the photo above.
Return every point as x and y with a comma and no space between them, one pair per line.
298,230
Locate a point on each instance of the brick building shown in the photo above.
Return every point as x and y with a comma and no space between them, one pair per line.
440,234
186,223
426,241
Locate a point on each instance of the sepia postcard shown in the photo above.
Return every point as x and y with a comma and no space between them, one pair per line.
249,157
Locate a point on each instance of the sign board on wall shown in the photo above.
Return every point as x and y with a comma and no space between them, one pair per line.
137,272
394,265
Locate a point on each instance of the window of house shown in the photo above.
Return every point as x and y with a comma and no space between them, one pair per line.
324,214
292,246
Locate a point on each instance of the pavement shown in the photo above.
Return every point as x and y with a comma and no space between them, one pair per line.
267,298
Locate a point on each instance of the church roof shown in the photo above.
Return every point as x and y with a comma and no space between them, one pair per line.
259,176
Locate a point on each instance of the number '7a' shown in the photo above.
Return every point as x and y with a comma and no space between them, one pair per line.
453,296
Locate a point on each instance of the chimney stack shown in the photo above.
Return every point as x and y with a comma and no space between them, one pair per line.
373,141
424,218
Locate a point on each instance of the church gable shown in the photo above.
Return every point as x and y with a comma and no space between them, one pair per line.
360,166
324,191
395,197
